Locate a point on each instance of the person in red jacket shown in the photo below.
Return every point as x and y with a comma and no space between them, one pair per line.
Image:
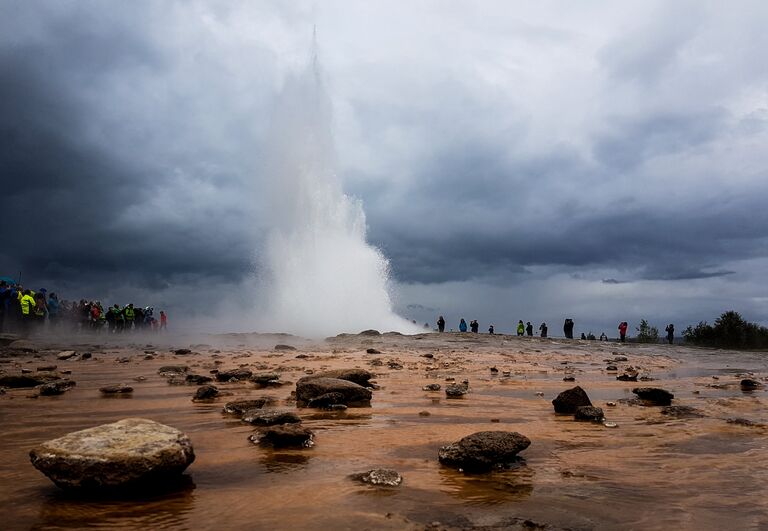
623,331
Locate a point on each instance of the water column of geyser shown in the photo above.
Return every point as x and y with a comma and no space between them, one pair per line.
319,276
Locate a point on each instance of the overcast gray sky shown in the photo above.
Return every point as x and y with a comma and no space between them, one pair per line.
603,161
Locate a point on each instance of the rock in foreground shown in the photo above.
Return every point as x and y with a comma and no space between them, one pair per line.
484,450
124,453
285,436
571,399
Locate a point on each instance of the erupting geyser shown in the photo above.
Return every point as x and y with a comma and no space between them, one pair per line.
319,275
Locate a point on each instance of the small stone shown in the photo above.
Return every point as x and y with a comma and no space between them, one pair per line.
170,370
455,390
431,387
747,384
382,477
56,387
569,379
46,368
118,389
182,351
206,392
628,376
264,379
654,395
285,436
372,351
261,417
424,413
198,379
233,375
608,424
590,413
611,368
681,412
610,404
66,354
494,370
239,407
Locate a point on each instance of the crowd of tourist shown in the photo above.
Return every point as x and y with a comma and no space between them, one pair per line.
28,312
526,329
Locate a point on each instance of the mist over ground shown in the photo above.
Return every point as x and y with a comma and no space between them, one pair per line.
535,163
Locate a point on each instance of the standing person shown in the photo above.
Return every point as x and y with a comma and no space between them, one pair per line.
520,328
27,303
474,326
163,320
490,329
623,331
41,309
670,329
543,329
53,310
440,324
568,328
529,329
130,316
462,325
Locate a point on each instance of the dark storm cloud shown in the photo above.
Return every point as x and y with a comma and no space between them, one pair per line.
78,198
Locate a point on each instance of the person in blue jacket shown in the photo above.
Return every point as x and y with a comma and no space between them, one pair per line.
462,326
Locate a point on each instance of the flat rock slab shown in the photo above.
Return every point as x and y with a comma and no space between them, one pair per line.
234,374
118,389
484,450
56,387
121,454
351,393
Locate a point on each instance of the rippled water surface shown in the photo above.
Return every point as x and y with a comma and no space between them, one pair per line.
651,472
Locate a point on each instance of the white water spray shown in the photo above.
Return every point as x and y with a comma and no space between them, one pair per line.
320,276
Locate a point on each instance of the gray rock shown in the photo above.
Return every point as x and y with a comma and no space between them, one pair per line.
182,351
234,374
66,354
654,395
118,389
483,451
206,392
570,399
262,417
56,387
455,390
591,413
311,387
431,387
611,368
370,333
745,422
285,436
125,453
628,376
372,351
382,477
284,347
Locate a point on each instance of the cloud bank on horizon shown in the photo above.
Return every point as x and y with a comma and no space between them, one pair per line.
607,163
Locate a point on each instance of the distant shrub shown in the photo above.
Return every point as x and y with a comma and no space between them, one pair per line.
729,331
647,333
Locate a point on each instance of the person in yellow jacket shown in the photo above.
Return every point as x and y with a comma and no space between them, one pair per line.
520,328
27,302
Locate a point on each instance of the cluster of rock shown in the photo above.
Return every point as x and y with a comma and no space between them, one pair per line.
576,402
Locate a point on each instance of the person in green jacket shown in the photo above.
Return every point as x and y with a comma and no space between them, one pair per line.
27,302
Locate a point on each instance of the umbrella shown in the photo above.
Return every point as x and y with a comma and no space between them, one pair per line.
9,280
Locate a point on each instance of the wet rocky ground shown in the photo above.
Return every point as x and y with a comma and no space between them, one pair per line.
370,459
